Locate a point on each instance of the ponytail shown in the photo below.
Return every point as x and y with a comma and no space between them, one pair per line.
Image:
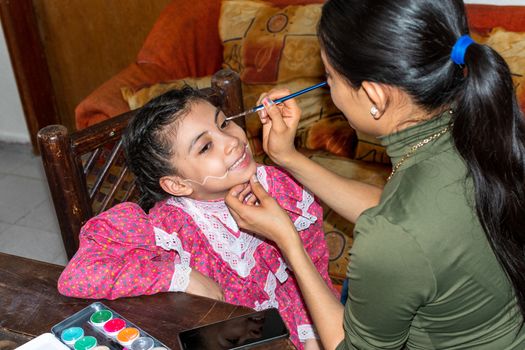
489,133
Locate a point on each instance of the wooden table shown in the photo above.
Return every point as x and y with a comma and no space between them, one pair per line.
30,305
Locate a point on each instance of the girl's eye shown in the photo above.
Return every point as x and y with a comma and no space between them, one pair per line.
224,124
205,148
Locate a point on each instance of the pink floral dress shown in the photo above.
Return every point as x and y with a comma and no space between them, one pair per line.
125,252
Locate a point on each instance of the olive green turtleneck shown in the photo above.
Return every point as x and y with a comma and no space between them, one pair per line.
422,274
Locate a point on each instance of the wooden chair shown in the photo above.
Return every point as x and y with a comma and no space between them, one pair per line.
86,171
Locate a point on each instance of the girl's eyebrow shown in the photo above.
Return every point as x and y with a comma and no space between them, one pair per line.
194,141
217,111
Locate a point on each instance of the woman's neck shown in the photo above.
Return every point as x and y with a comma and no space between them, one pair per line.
403,113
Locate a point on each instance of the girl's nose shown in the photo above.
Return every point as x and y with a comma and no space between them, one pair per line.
232,143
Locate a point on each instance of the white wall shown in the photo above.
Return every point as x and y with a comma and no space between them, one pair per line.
13,127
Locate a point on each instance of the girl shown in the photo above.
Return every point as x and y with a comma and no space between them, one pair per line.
186,157
439,262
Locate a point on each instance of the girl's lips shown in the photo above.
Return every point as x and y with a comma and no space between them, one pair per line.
243,161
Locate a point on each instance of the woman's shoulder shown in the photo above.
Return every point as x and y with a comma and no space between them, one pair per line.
434,190
419,212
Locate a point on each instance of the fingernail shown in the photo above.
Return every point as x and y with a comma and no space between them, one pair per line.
254,178
267,102
234,193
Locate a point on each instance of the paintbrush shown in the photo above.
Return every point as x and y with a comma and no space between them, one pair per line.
279,100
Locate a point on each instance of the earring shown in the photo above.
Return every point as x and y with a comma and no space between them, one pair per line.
374,111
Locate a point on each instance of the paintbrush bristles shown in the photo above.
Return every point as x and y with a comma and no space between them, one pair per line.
237,115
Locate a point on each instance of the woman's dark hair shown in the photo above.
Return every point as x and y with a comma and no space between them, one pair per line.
148,141
407,43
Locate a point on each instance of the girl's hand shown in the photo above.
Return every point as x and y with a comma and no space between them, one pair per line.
264,216
279,126
204,286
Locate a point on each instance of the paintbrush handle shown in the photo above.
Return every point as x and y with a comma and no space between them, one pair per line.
279,100
295,94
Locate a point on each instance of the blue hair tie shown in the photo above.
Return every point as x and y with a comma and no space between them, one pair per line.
460,47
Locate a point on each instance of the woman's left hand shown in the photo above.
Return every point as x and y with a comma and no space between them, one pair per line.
263,216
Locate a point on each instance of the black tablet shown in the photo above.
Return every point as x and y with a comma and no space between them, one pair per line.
241,332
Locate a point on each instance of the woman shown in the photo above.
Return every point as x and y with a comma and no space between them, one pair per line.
438,261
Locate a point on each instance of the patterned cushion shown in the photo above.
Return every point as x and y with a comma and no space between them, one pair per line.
272,47
138,98
369,149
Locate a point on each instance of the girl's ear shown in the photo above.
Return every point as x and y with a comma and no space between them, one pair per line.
377,94
175,186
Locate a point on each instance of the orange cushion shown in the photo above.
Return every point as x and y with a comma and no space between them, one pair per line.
486,17
106,101
137,98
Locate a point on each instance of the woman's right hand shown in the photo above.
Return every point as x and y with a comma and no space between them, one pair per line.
280,123
264,216
204,286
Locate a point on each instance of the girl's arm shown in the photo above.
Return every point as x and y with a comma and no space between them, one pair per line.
110,276
347,197
111,271
118,257
269,220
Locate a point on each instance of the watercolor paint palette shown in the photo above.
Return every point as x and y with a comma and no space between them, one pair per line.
97,327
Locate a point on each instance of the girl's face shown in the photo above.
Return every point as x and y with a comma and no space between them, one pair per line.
211,154
354,103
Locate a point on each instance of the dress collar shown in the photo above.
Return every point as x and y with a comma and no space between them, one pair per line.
399,144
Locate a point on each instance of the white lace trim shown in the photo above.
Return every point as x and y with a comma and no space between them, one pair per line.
181,275
180,279
216,223
262,176
281,273
171,242
306,219
269,288
305,332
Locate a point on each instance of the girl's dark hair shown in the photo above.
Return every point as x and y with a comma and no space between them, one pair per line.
148,141
407,43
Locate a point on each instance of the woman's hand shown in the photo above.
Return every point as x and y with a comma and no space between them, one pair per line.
263,216
279,126
204,286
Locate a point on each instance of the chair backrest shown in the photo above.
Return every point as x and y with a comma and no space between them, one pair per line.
86,171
